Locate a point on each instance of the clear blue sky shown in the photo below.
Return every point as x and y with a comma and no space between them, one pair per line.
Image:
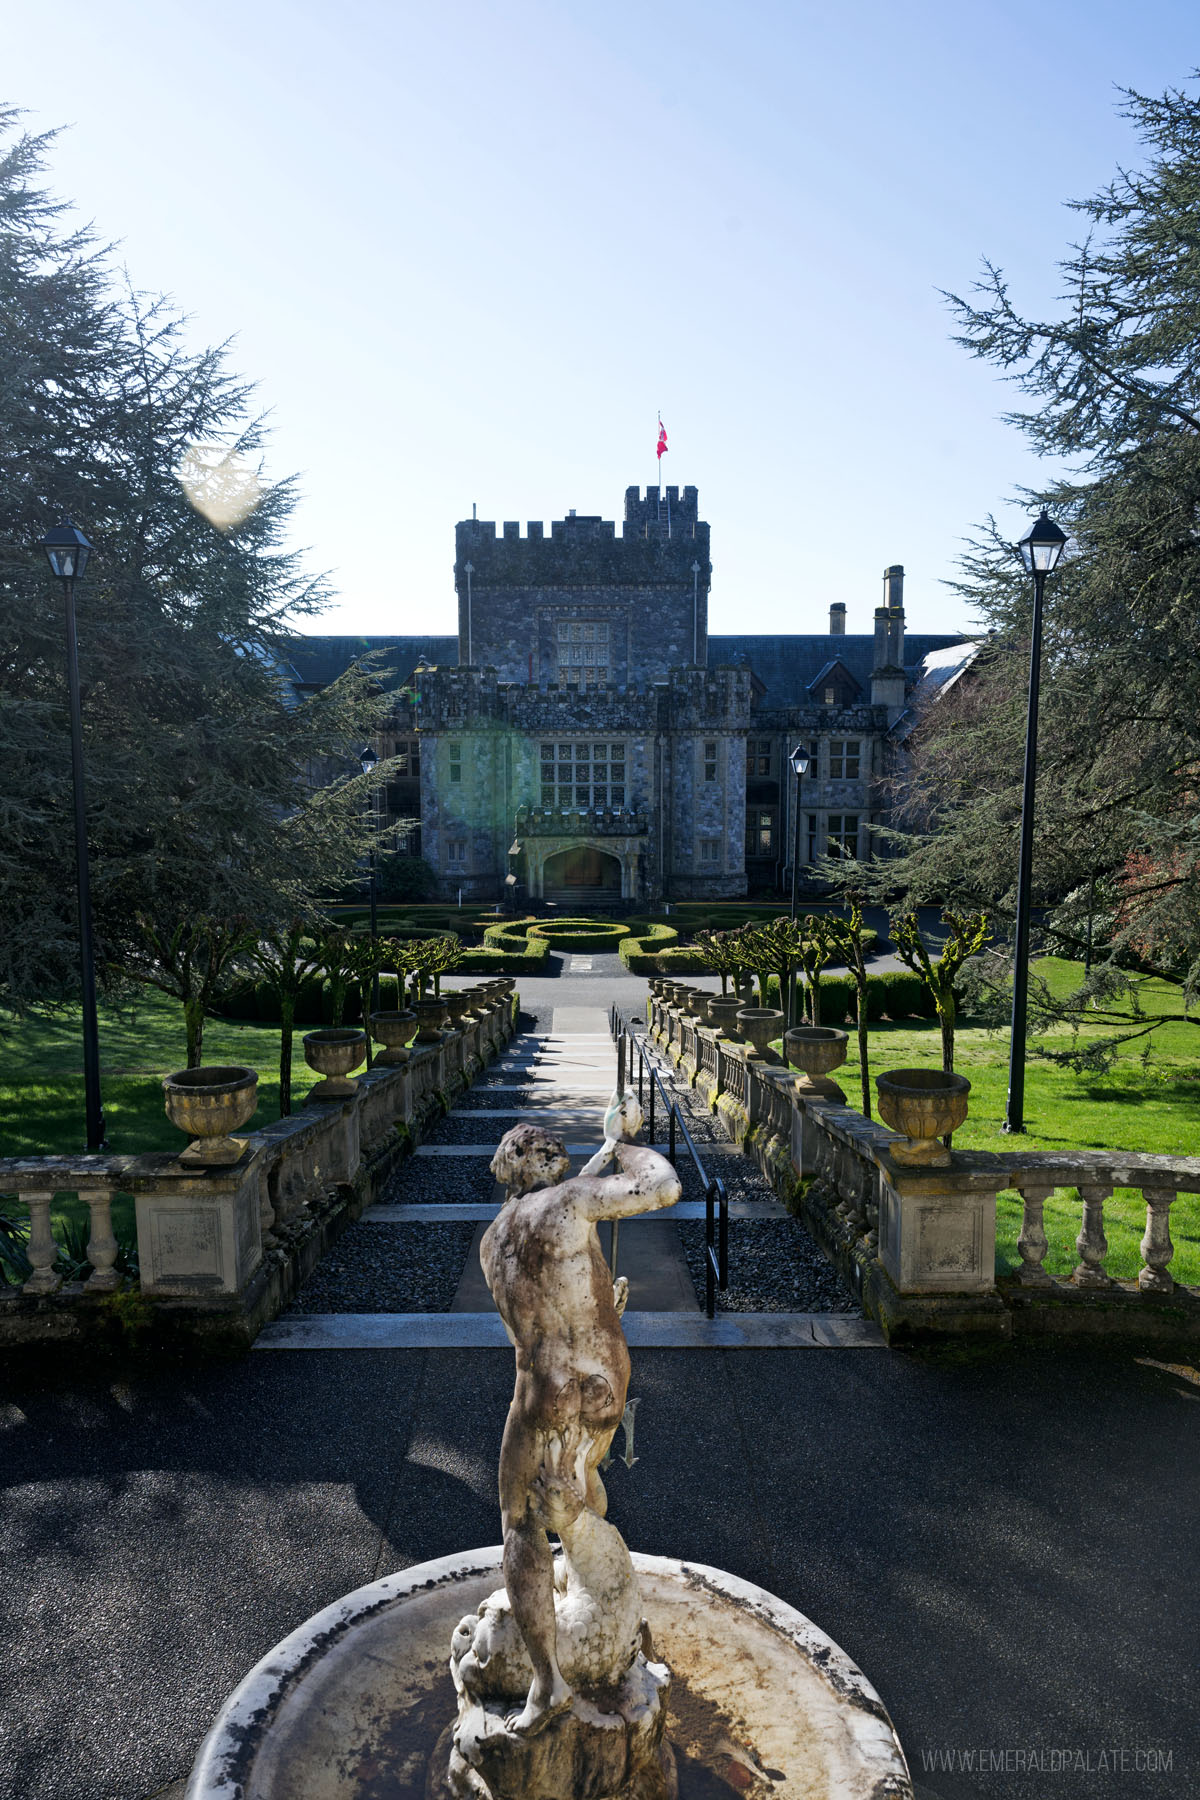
469,251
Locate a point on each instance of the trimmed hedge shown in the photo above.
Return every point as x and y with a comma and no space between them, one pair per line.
646,942
683,960
580,934
507,950
526,960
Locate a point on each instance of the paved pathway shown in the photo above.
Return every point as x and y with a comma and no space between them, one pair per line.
1003,1540
565,1075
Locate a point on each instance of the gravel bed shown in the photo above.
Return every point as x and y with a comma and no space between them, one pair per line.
439,1181
389,1269
774,1266
480,1098
469,1128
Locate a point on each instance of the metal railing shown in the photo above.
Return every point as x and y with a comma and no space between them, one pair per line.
716,1201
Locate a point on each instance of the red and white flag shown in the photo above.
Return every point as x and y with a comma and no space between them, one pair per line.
662,439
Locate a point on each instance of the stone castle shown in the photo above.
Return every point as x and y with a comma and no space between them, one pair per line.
584,740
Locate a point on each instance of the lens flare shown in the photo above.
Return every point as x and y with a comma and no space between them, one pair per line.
220,484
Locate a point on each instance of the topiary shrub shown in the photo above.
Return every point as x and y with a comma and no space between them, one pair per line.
903,994
839,996
683,960
266,1003
238,1000
580,934
645,943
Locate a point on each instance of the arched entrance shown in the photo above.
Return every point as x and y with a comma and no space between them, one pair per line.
582,876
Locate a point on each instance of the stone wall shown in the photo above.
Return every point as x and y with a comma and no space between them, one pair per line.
919,1243
222,1250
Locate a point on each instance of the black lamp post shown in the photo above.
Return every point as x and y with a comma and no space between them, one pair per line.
367,761
1040,551
67,551
800,761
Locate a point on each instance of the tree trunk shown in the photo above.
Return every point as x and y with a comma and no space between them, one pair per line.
364,998
814,995
863,1058
193,1013
287,1015
946,1021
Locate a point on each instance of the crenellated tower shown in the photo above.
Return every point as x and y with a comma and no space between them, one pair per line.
582,608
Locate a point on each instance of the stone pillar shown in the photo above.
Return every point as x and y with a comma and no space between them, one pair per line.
937,1227
199,1230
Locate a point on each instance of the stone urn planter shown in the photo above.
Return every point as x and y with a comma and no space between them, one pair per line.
393,1030
458,1004
924,1104
758,1025
504,984
208,1103
333,1053
723,1010
701,1000
432,1018
816,1050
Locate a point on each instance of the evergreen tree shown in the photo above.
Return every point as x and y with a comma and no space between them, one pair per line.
211,789
1115,389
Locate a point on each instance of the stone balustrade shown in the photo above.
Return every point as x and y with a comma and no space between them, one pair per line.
920,1241
221,1249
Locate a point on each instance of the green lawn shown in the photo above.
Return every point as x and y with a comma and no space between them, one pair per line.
1151,1105
41,1075
41,1094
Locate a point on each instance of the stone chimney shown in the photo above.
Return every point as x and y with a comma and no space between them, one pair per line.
837,618
879,660
893,592
887,672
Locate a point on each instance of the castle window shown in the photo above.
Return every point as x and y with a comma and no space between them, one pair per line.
408,759
456,850
454,758
581,647
815,848
759,756
763,832
843,834
583,774
843,759
710,762
708,850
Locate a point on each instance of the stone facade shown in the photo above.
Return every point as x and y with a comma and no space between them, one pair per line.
586,739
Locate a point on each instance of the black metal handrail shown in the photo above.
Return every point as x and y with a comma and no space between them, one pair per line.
716,1201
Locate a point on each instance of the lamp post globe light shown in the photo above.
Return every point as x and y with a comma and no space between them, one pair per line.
1041,550
67,552
801,762
367,760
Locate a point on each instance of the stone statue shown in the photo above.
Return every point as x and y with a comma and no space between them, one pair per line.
568,1639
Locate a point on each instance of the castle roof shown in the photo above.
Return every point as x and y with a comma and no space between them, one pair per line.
788,664
317,660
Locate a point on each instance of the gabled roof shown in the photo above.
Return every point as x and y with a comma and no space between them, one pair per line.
826,670
788,663
939,672
318,660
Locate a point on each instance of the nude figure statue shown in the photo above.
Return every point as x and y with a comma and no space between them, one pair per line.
543,1263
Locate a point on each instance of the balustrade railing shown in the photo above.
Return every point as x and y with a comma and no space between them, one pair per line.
201,1230
650,1084
935,1227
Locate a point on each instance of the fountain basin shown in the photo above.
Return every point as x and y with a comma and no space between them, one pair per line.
356,1699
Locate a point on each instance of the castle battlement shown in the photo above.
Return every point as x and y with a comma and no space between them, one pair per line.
662,510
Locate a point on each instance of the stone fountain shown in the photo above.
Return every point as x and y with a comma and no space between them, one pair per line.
525,1673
